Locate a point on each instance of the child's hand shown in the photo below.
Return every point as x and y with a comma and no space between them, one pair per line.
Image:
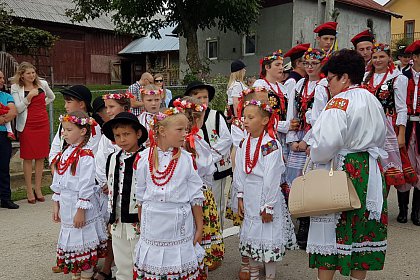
241,207
295,147
79,218
56,213
198,237
266,218
302,146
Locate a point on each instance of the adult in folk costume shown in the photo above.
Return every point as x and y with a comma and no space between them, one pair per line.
412,137
355,241
390,88
296,53
363,44
326,35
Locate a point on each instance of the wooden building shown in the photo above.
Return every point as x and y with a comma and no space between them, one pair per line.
86,52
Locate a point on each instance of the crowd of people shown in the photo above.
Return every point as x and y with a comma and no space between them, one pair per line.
139,177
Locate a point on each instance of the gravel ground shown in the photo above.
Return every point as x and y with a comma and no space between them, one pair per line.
28,239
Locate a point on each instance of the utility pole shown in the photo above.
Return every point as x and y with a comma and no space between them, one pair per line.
329,9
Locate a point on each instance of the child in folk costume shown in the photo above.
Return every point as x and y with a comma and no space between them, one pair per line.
412,138
267,228
127,132
170,201
115,103
212,240
152,98
82,237
216,133
300,108
76,98
239,133
390,88
298,70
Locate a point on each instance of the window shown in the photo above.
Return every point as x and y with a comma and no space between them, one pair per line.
409,29
212,49
248,44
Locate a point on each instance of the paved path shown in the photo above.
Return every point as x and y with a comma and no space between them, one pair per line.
28,238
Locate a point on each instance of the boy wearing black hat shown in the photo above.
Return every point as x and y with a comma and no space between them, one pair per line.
216,133
76,98
403,62
127,132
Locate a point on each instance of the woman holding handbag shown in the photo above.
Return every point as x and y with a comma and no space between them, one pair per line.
355,241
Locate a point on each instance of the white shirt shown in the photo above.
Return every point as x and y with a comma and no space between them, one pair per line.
235,90
58,141
105,148
204,161
416,76
400,92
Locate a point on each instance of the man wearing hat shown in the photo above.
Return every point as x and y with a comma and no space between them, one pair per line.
412,136
216,133
363,44
298,71
326,34
403,58
127,132
76,98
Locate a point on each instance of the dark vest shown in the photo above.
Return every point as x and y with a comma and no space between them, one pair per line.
409,128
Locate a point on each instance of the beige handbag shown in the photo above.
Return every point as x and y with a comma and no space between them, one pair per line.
319,192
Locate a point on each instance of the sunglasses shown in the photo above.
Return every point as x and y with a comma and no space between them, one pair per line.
158,81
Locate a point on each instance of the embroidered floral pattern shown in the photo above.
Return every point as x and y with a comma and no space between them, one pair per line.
337,103
270,147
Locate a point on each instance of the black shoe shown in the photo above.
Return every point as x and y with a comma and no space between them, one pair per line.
9,204
302,235
415,218
403,199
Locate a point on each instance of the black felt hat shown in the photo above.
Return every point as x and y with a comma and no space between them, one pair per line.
124,117
198,84
401,50
98,104
236,66
81,93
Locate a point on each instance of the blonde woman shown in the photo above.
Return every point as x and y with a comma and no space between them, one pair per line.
235,87
31,95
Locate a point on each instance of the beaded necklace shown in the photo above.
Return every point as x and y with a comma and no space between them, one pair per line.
166,174
250,164
74,156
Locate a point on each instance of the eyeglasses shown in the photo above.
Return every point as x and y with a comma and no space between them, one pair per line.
329,79
310,65
158,81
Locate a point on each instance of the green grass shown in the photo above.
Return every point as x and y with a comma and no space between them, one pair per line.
20,194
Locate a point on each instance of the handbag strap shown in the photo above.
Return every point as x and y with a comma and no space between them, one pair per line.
308,160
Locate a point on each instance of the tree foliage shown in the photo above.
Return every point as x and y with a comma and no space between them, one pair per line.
148,16
20,39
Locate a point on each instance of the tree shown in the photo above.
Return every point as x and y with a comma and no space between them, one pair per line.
23,40
148,16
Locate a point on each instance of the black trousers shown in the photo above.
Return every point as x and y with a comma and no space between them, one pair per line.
5,155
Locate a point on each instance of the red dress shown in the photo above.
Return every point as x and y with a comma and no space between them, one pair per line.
35,137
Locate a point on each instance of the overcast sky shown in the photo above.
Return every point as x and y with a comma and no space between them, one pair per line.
381,1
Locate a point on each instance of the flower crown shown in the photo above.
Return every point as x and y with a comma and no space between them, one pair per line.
262,105
275,56
76,120
127,95
314,54
379,47
151,92
252,90
184,104
163,115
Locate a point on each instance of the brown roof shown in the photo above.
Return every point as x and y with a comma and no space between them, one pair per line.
370,5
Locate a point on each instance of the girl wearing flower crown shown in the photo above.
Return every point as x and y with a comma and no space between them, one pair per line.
170,202
82,237
266,229
152,97
201,152
115,103
300,107
390,88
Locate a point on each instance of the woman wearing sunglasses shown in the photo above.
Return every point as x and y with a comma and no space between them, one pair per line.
160,84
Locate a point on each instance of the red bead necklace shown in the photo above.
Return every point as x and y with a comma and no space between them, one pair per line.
74,156
166,174
374,89
249,165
